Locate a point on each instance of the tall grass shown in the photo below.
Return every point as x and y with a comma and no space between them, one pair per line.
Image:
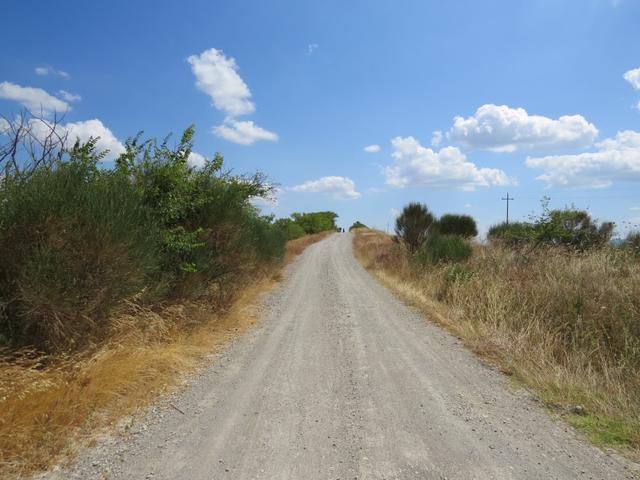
565,323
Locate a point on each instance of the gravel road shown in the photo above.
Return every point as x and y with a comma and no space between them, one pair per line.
340,380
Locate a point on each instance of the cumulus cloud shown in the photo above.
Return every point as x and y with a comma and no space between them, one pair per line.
244,133
372,148
615,159
436,138
94,128
34,99
44,71
68,96
196,160
312,47
501,128
82,131
415,165
217,76
341,188
633,77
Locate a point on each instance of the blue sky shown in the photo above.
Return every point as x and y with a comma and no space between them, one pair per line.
536,97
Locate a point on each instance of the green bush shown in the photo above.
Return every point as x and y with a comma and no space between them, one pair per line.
414,224
513,233
357,224
316,222
570,228
443,248
462,225
290,229
75,242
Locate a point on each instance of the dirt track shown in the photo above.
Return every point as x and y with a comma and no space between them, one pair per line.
340,380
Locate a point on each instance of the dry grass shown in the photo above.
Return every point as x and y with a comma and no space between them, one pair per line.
566,325
48,404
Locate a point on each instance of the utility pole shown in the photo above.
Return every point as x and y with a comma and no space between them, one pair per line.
508,199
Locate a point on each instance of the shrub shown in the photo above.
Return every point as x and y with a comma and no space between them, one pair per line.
462,225
357,224
514,233
290,229
316,222
443,248
208,225
413,225
568,227
75,242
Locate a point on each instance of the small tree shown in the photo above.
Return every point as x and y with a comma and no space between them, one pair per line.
357,224
413,225
460,225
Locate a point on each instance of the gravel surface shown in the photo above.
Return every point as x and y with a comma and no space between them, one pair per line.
340,380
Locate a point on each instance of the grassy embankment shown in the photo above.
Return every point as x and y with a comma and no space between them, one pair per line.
565,324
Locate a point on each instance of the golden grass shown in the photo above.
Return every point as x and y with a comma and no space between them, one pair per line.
48,404
565,325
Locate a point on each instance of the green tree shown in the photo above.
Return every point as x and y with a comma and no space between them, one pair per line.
357,224
461,225
414,224
289,228
316,222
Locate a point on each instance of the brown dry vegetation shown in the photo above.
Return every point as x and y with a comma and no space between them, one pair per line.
50,403
565,324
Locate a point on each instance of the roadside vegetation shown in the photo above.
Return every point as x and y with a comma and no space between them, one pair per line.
549,301
115,279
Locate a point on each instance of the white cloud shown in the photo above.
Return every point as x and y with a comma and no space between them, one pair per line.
615,159
312,47
633,77
270,201
95,128
372,148
34,99
68,96
244,133
217,76
501,128
634,209
82,131
196,160
340,188
415,165
436,138
43,71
